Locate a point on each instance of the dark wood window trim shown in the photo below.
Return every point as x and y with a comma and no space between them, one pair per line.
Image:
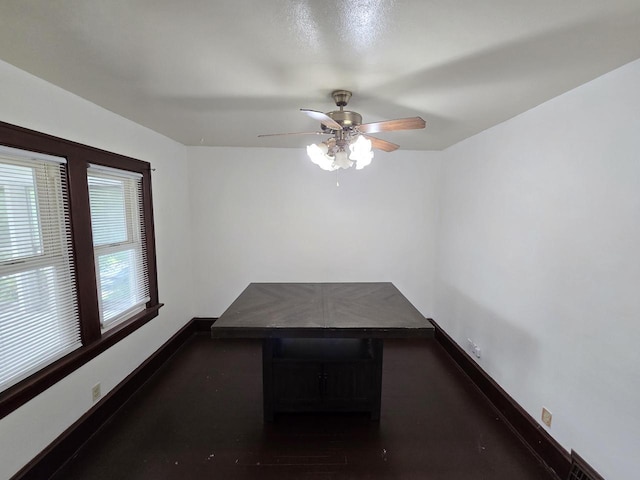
94,341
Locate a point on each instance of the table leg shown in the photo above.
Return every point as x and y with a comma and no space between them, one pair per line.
377,347
267,379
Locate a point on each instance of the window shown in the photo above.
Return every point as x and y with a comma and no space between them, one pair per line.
38,309
118,241
77,257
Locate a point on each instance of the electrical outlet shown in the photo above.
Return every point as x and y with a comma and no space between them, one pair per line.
546,417
95,392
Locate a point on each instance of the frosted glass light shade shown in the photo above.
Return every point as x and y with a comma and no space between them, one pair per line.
318,154
361,152
342,160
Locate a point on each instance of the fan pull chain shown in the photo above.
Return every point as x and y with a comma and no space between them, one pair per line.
337,180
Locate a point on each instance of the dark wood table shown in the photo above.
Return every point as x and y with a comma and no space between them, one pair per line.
322,342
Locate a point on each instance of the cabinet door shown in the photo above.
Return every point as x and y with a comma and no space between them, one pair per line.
297,385
348,384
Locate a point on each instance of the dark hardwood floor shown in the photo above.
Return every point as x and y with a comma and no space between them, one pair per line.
200,417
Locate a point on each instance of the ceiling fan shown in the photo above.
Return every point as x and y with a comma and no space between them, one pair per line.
349,133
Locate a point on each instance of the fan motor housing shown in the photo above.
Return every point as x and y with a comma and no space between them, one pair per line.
345,118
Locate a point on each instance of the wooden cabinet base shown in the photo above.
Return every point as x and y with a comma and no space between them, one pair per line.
322,375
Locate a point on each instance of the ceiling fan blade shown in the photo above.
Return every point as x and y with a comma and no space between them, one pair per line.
323,118
381,144
410,123
293,133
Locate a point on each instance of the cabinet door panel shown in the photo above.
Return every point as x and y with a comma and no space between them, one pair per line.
297,384
347,383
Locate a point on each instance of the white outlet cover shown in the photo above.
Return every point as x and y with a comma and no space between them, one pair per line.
546,417
96,392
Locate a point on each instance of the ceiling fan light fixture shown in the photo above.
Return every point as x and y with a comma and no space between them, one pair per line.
347,130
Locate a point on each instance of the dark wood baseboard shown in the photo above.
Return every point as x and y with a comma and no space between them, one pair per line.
203,324
580,469
61,450
543,445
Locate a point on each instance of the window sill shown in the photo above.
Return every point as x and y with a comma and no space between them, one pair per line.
22,392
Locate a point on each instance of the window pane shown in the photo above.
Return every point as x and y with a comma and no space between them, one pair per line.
20,231
33,321
108,210
118,289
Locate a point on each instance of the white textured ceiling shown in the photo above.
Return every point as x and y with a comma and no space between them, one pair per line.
220,72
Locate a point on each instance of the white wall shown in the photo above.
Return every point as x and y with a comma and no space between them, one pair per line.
33,103
539,263
269,215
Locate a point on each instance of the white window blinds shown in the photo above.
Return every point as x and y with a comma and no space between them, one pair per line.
39,320
117,223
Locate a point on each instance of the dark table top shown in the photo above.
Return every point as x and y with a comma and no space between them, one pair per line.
338,310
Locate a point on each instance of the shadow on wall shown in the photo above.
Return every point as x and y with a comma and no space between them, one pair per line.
504,346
